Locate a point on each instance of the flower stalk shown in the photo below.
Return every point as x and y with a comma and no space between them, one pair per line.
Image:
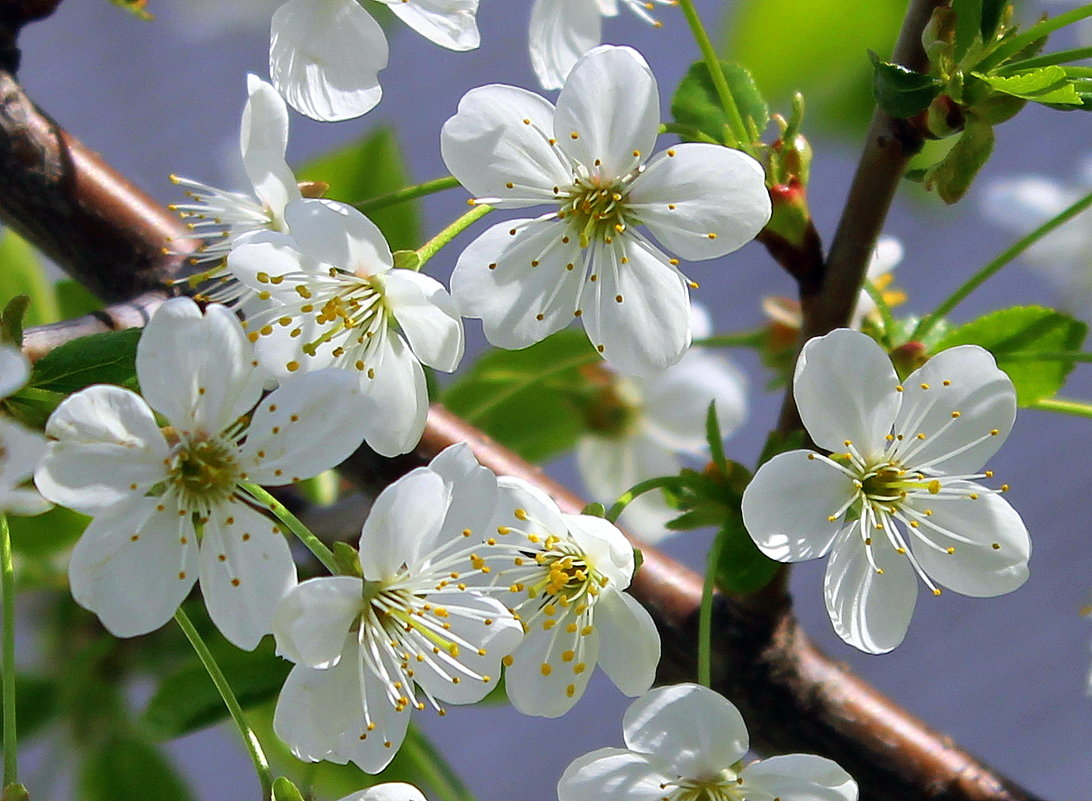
295,525
7,579
434,245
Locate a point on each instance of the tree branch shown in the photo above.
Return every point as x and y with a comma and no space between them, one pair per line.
110,236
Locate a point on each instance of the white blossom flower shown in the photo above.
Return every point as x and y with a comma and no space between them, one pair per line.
564,576
900,494
167,503
686,742
388,791
564,30
221,219
650,423
588,157
20,448
369,650
1022,203
337,301
325,55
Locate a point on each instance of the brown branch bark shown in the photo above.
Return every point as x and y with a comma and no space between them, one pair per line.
110,236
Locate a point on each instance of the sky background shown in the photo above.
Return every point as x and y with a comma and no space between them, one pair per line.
1005,677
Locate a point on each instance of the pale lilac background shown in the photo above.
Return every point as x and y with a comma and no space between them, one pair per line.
1005,677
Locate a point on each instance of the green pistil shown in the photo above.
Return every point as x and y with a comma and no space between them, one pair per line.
596,212
205,470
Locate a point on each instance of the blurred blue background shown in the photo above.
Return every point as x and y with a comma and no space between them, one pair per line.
1006,678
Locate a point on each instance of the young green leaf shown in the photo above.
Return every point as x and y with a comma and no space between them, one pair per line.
11,321
715,438
696,102
108,358
741,568
124,767
1012,335
901,92
1048,84
953,175
968,25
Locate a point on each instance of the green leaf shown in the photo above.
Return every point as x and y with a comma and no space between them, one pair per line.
742,568
968,25
952,176
135,7
46,534
901,92
1010,333
21,273
73,300
124,767
525,399
363,170
697,104
1048,84
11,321
108,358
187,700
992,12
35,704
715,438
782,42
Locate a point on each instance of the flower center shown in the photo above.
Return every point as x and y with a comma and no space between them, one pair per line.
203,472
596,208
725,786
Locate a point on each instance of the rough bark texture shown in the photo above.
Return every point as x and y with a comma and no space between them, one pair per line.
110,236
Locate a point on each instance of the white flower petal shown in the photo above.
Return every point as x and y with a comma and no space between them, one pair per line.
14,370
539,681
311,621
701,201
403,524
789,502
609,466
956,398
538,507
480,671
246,568
494,279
610,102
325,57
20,452
637,314
339,235
676,403
629,644
800,777
487,145
197,370
612,773
973,528
396,386
869,611
310,423
561,32
263,138
693,729
604,546
448,23
427,316
107,443
845,389
134,565
473,490
316,706
388,791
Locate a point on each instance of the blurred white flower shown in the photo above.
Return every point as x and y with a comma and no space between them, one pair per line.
369,650
167,503
564,575
563,30
588,158
908,453
1064,256
325,55
686,742
388,791
20,448
335,300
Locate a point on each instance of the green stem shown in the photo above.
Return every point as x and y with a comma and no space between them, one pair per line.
434,769
433,246
705,617
1032,34
740,339
475,415
997,263
295,525
688,131
1077,408
639,489
881,306
1059,57
7,577
408,193
720,83
250,739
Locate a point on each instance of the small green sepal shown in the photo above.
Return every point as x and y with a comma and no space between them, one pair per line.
595,510
347,560
284,790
